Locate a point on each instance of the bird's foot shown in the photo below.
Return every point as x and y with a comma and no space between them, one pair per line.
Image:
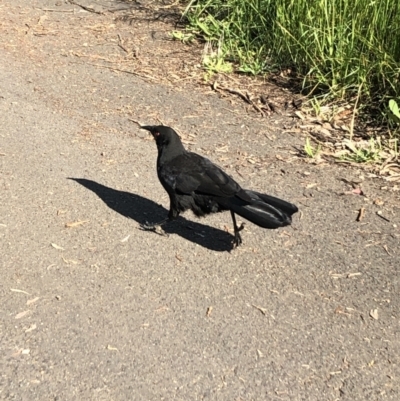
148,226
155,227
238,238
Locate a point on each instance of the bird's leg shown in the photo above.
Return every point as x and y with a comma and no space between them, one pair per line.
238,239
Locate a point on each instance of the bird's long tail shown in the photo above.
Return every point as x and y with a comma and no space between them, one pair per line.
264,210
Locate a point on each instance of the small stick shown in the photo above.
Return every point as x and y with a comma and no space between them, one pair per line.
382,217
135,121
89,9
55,11
361,214
143,76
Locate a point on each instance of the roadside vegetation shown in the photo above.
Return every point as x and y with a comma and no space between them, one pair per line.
341,51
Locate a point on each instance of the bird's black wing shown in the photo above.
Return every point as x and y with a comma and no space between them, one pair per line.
191,173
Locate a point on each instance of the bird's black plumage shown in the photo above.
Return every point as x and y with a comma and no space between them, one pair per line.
194,182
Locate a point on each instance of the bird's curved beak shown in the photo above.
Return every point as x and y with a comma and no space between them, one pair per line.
148,127
152,129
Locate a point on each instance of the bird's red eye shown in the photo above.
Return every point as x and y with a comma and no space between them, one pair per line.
156,133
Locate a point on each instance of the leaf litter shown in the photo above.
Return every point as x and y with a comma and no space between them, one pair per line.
76,223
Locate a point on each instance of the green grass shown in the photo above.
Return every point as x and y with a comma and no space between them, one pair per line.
310,151
369,152
341,49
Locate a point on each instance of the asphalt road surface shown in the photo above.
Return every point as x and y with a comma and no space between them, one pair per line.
93,308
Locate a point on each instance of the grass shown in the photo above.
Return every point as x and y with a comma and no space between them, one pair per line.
214,61
340,49
370,152
182,37
310,151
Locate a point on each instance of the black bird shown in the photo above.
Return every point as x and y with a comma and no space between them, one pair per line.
194,182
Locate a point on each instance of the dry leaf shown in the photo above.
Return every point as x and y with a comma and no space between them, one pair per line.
76,223
32,301
33,327
21,291
353,275
68,261
22,314
125,239
300,115
374,314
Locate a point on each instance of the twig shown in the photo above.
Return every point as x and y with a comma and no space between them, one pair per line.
117,69
55,11
385,247
382,217
262,310
161,121
355,111
89,9
361,214
237,92
121,44
135,121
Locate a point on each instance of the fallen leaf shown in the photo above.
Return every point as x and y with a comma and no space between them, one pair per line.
353,275
68,261
22,314
32,301
33,327
21,291
125,239
374,314
76,223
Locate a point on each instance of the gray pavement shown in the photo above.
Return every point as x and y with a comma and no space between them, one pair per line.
93,308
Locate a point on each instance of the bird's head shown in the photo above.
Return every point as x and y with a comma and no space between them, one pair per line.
164,136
